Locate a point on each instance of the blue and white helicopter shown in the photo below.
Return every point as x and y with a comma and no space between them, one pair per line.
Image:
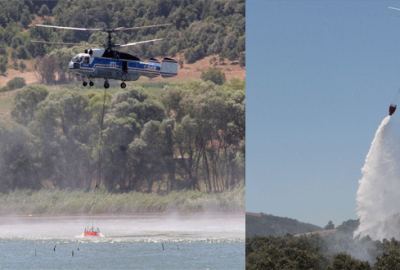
108,64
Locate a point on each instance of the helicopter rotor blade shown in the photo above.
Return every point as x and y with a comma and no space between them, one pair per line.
103,30
69,28
141,27
63,43
139,42
394,8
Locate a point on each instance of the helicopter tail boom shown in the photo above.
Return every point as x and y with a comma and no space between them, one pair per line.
169,68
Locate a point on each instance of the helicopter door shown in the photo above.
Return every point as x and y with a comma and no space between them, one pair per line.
124,66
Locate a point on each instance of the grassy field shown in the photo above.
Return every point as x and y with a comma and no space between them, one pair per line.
52,201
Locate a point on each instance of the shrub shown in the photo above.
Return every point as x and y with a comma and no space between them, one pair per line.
44,10
189,56
13,54
172,52
4,89
213,74
22,65
232,55
3,49
22,53
16,83
3,68
242,60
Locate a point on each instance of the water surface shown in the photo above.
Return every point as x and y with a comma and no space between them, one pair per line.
194,241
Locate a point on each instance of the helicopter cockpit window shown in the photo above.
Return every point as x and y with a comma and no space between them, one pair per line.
86,60
77,59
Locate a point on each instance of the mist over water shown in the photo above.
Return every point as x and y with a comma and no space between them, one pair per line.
147,241
378,195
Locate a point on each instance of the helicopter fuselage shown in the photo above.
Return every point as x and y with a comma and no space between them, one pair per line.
121,66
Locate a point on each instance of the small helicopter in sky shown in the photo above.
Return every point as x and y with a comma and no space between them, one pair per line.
108,64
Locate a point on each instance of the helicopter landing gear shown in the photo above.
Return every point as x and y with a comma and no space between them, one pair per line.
91,83
123,85
106,84
84,83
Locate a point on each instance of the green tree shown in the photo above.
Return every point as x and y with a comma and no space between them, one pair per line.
26,101
44,10
22,53
281,253
213,74
343,261
17,41
22,65
17,160
329,226
190,56
3,49
390,259
16,83
242,60
67,131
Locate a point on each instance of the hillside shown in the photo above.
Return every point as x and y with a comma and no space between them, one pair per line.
186,73
268,225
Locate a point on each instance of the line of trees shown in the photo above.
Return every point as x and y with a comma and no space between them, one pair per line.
334,251
190,137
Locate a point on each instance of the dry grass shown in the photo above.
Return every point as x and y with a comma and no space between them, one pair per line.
50,201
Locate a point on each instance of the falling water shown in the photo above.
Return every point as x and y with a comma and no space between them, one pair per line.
378,195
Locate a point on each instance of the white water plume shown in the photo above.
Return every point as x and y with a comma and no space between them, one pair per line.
378,195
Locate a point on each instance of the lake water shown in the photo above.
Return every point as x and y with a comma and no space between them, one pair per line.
214,241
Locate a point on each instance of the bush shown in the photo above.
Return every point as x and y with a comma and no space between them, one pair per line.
16,83
17,41
189,56
232,55
4,89
3,49
3,68
22,65
22,53
13,54
213,74
44,10
242,60
172,52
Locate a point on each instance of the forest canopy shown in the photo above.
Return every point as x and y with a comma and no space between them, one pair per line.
200,28
192,136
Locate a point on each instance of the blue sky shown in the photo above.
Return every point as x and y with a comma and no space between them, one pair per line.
320,76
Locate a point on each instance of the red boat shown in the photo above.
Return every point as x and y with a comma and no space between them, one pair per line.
92,232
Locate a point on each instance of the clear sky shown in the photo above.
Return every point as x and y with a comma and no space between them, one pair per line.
320,76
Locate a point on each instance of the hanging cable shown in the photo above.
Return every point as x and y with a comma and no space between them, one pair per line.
100,143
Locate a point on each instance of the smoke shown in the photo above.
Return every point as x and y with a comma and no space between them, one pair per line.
378,195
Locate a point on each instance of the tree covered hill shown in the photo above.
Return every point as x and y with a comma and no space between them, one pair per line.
200,28
334,251
268,225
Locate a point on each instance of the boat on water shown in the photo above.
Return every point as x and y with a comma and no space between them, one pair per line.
92,232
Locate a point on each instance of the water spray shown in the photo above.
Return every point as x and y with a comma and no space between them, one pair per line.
378,194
